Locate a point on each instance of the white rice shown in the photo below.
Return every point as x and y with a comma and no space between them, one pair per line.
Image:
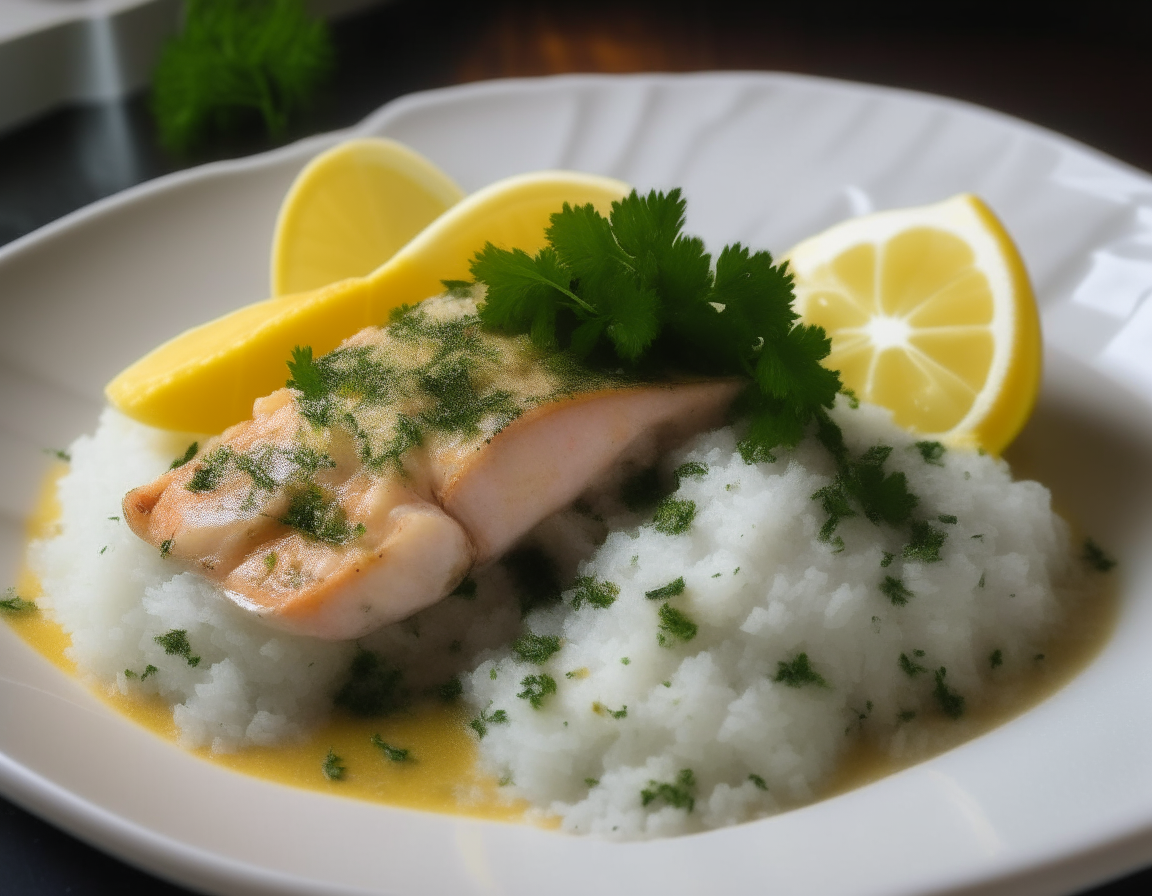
760,585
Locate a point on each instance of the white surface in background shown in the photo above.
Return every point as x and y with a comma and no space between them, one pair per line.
1051,802
58,51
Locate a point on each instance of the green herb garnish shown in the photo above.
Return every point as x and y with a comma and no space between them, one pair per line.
185,457
678,794
532,648
760,783
175,643
996,658
395,754
333,767
673,588
235,60
480,725
1095,557
895,590
537,688
673,516
14,603
798,672
932,452
951,703
674,625
593,593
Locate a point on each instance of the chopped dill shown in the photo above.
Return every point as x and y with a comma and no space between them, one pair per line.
715,575
480,725
210,471
14,603
925,543
175,643
674,625
114,519
537,688
601,710
676,586
690,470
910,667
673,516
333,767
1095,557
166,547
886,560
185,457
394,754
372,688
895,590
537,649
678,795
996,658
450,690
798,672
950,702
932,452
103,549
596,594
760,783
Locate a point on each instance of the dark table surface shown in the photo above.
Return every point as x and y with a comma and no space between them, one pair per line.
1084,70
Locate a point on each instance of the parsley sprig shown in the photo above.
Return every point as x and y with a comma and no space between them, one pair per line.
632,289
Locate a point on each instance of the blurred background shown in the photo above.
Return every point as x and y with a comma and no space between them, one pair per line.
78,122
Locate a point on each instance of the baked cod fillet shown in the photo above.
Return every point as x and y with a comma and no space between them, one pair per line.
366,490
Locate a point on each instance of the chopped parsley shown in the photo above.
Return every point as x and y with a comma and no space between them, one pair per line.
315,516
166,547
480,725
451,689
948,518
1095,557
210,471
950,703
925,543
175,643
690,470
798,672
372,688
596,594
59,454
760,783
676,586
886,560
537,688
678,795
533,648
932,452
910,667
601,710
592,782
895,590
149,671
674,625
14,603
333,767
394,754
673,516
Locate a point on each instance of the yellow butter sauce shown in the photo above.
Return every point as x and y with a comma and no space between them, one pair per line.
443,774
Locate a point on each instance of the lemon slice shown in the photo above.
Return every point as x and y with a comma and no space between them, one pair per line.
206,379
931,315
351,209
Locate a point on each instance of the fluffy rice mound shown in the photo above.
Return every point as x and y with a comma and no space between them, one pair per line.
633,704
663,713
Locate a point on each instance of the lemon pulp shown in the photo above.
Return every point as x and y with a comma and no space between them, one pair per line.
931,315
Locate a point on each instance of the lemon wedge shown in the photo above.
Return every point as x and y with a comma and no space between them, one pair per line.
351,209
931,315
206,379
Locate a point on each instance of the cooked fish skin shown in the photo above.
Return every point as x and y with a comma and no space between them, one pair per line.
433,446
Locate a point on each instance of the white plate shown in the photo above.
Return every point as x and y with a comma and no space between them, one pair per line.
1057,799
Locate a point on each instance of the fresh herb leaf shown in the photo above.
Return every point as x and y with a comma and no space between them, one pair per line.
673,588
690,470
537,688
480,725
674,625
188,454
950,703
333,767
909,666
678,795
235,60
932,452
315,516
596,594
394,754
895,590
673,516
798,672
14,603
760,783
925,543
532,648
175,643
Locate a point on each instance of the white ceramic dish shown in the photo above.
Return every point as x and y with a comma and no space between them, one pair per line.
1053,801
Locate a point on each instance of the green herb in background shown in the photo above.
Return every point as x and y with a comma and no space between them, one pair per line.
235,60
